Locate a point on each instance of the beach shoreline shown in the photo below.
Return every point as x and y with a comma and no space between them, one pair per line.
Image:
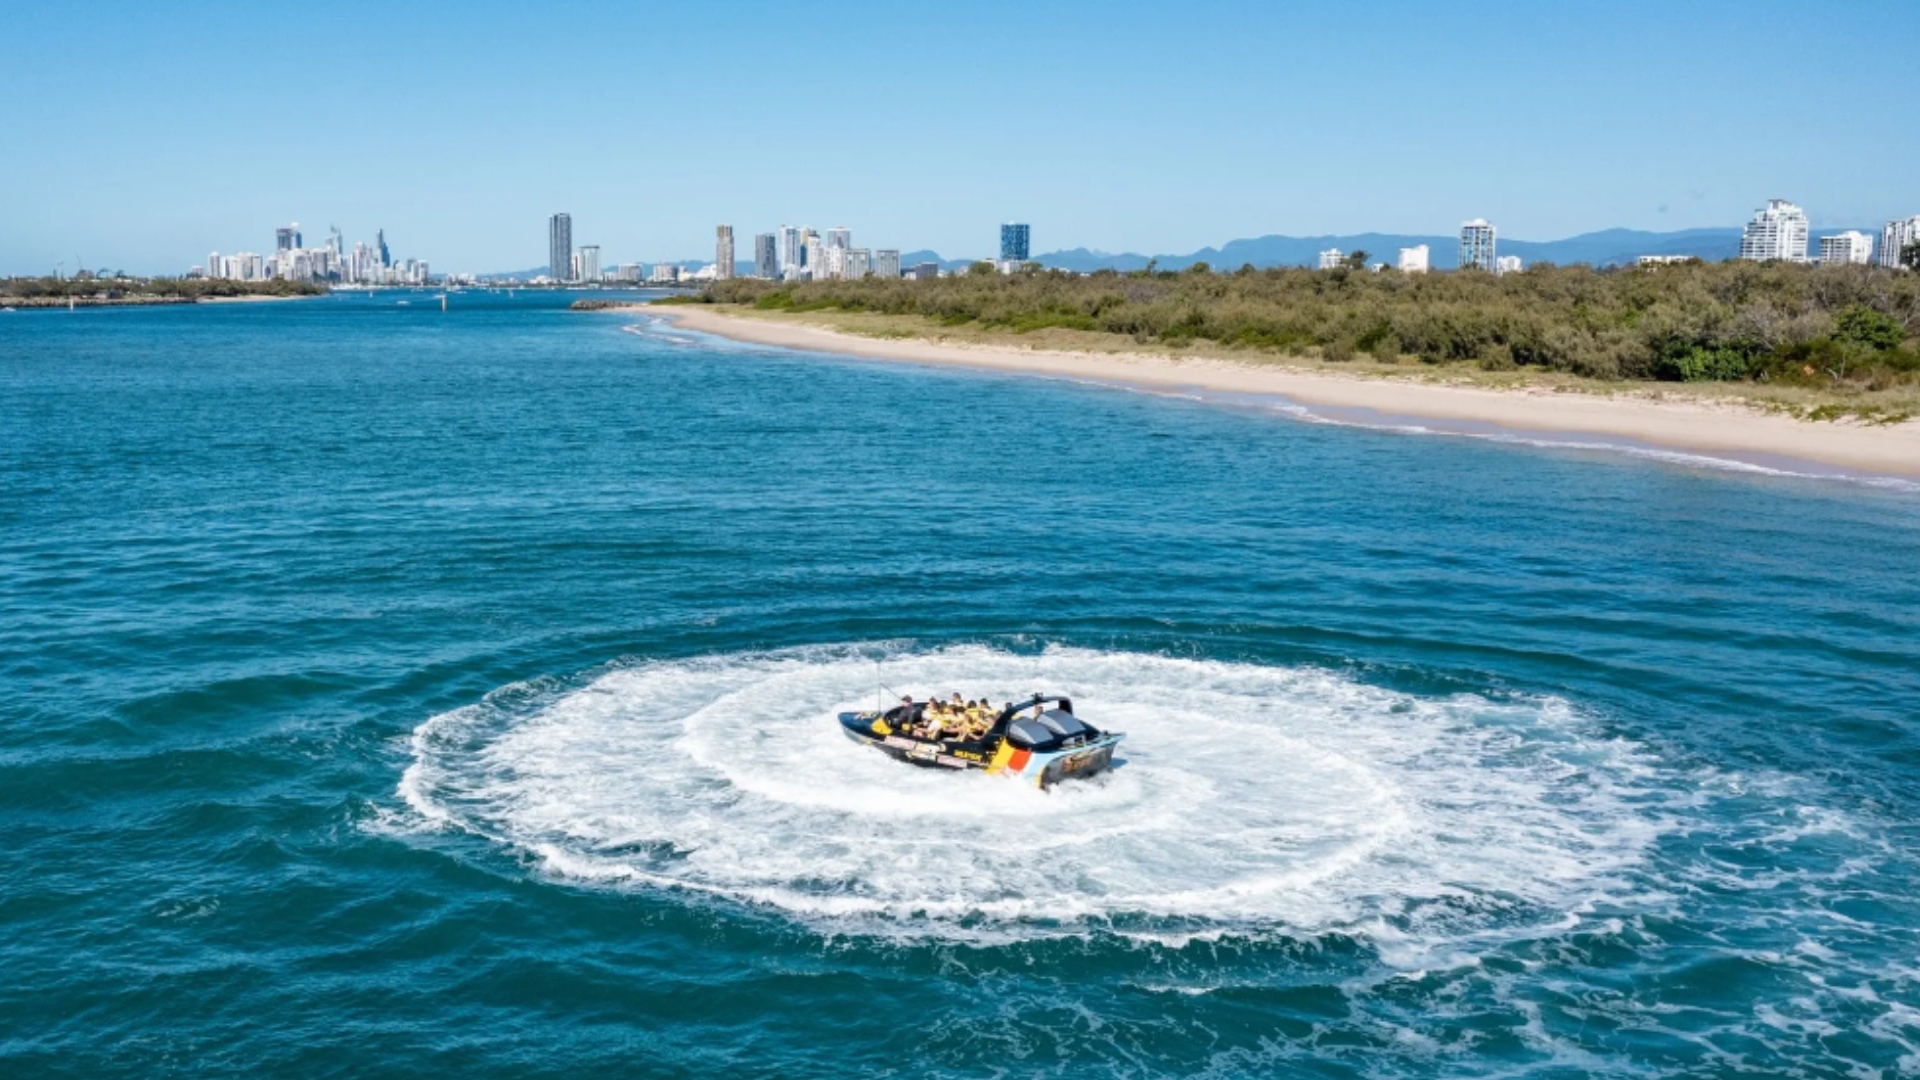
250,299
1694,425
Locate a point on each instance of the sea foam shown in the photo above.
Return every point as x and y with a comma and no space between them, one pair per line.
1247,798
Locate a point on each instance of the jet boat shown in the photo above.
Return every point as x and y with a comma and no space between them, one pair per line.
1039,740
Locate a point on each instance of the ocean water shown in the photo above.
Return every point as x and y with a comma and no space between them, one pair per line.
384,690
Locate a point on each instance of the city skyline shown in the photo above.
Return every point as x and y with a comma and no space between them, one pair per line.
1778,230
1616,127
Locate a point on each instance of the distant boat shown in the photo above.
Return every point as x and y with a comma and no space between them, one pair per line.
404,303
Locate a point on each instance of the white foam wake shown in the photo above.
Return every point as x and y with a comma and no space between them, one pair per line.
1249,797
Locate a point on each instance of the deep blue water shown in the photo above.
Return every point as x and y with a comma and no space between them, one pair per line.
384,690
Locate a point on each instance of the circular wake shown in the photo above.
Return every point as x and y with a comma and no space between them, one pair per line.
1245,797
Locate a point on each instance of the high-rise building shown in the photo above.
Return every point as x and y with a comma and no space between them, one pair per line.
213,265
1013,242
1414,260
859,262
1332,258
812,258
245,266
839,237
886,263
723,252
1508,264
766,256
833,262
926,271
790,251
589,263
1900,234
380,245
1778,232
560,247
1850,248
288,238
1477,245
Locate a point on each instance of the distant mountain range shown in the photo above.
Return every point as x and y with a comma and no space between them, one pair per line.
1609,247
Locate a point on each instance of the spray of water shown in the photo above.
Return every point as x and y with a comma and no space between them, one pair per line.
1248,798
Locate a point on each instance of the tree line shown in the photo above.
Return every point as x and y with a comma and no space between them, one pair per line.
114,288
1852,326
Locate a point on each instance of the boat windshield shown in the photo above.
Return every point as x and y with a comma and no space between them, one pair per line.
1026,732
1061,723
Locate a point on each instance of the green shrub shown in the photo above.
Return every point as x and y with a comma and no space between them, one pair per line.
1861,325
1696,363
1697,322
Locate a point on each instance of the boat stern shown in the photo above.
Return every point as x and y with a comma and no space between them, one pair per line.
1045,769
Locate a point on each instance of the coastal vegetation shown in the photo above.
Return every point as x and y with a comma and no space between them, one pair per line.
1839,331
92,289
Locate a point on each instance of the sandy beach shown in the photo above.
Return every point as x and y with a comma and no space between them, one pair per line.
1692,425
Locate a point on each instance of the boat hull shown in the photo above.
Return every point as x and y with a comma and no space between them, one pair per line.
1042,769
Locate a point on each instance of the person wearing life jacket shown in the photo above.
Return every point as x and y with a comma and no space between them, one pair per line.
936,719
979,720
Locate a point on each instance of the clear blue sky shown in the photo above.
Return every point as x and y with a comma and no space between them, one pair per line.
141,136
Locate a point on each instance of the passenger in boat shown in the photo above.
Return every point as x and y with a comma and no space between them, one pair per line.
979,721
936,720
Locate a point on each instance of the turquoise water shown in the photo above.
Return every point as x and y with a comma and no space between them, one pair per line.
384,690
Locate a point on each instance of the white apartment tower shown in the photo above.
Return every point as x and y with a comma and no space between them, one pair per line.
590,263
789,252
1332,259
1508,264
1477,245
1899,234
886,263
1413,260
840,237
1778,232
1850,248
812,261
